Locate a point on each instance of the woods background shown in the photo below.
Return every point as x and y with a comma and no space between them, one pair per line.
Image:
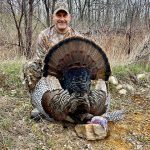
121,27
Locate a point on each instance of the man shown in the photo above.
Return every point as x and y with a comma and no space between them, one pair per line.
33,70
48,38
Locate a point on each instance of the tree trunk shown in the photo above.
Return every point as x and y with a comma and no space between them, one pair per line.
47,6
18,26
29,29
28,13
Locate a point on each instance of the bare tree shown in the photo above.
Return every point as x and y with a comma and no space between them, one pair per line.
18,24
28,11
95,16
81,7
47,6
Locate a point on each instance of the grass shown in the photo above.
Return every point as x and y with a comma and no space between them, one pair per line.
117,47
10,76
5,123
122,70
8,143
12,68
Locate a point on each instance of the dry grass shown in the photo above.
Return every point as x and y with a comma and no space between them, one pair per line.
116,46
115,43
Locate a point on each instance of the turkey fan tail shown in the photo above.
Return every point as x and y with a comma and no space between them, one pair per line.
77,52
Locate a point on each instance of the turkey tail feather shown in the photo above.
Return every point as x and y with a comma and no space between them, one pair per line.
77,52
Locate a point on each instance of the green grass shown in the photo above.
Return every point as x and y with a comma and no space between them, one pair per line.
123,70
5,123
10,75
8,142
12,69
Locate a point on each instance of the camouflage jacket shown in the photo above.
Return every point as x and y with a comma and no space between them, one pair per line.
49,37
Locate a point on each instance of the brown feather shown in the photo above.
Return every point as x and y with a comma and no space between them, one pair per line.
78,52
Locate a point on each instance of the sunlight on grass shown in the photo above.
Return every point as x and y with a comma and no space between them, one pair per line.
134,68
12,66
12,71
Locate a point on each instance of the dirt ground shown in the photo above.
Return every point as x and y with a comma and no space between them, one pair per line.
19,132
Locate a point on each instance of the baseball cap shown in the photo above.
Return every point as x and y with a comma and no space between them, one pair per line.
61,5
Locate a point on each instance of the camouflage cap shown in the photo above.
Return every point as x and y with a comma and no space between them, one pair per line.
61,5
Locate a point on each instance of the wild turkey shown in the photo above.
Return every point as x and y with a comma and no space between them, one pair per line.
75,62
74,59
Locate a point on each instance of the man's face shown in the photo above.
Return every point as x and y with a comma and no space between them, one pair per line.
61,20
